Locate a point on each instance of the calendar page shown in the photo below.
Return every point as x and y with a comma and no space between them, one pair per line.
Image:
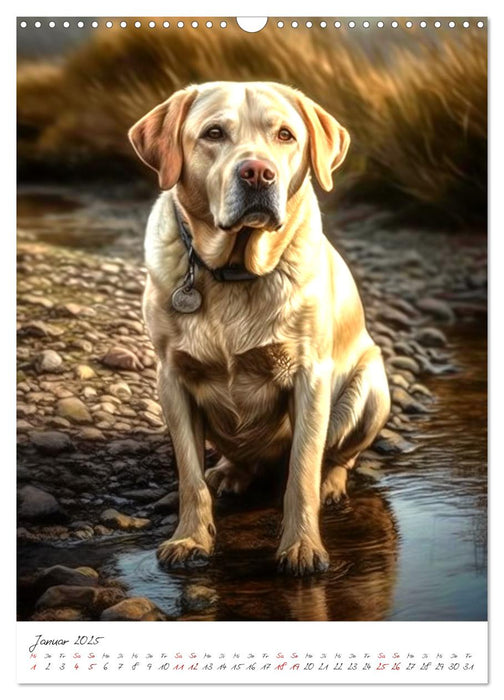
252,350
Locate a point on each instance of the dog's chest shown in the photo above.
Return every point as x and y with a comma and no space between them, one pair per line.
243,376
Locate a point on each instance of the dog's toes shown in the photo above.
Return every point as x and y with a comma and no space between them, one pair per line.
225,478
302,559
180,553
333,490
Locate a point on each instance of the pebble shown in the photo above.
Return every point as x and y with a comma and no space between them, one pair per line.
48,361
420,389
74,410
393,316
121,390
431,337
399,380
51,442
133,610
404,362
437,308
121,358
127,446
407,403
151,406
123,522
390,442
91,434
84,372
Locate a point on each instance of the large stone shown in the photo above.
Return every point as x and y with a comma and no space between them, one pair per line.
74,410
133,609
119,520
36,504
51,442
59,575
81,597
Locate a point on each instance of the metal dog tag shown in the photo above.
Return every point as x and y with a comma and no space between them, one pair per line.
186,300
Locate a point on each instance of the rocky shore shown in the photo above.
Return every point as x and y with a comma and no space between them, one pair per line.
94,461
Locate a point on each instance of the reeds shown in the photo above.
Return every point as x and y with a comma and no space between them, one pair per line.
415,107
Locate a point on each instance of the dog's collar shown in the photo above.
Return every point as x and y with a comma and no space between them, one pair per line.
227,273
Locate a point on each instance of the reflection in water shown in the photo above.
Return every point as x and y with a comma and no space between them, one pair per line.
362,543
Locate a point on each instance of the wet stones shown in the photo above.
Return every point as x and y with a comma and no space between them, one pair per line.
391,443
404,362
133,610
407,403
121,521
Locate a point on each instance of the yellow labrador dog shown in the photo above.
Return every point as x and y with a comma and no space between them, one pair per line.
255,318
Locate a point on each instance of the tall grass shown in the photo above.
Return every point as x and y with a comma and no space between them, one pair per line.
416,109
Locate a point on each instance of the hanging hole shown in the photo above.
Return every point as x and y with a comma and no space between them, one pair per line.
251,24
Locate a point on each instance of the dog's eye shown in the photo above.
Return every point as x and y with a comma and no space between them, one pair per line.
285,135
214,133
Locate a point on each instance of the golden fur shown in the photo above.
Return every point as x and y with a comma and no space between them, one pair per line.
279,365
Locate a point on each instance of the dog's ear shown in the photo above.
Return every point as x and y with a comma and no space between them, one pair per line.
329,141
156,137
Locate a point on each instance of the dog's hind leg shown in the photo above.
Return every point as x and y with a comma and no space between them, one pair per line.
358,413
227,477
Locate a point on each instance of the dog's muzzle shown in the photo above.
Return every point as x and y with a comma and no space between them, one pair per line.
254,201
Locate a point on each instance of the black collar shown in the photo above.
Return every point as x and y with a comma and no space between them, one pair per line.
228,273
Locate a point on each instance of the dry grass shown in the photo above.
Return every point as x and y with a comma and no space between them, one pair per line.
416,111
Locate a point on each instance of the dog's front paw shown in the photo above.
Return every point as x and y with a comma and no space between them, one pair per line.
185,551
302,558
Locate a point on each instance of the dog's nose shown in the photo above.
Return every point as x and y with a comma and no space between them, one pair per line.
257,173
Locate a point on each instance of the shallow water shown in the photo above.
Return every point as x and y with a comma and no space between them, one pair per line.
409,544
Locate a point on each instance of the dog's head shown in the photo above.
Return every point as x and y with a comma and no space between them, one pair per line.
239,152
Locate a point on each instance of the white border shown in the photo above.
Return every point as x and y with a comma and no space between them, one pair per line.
7,281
